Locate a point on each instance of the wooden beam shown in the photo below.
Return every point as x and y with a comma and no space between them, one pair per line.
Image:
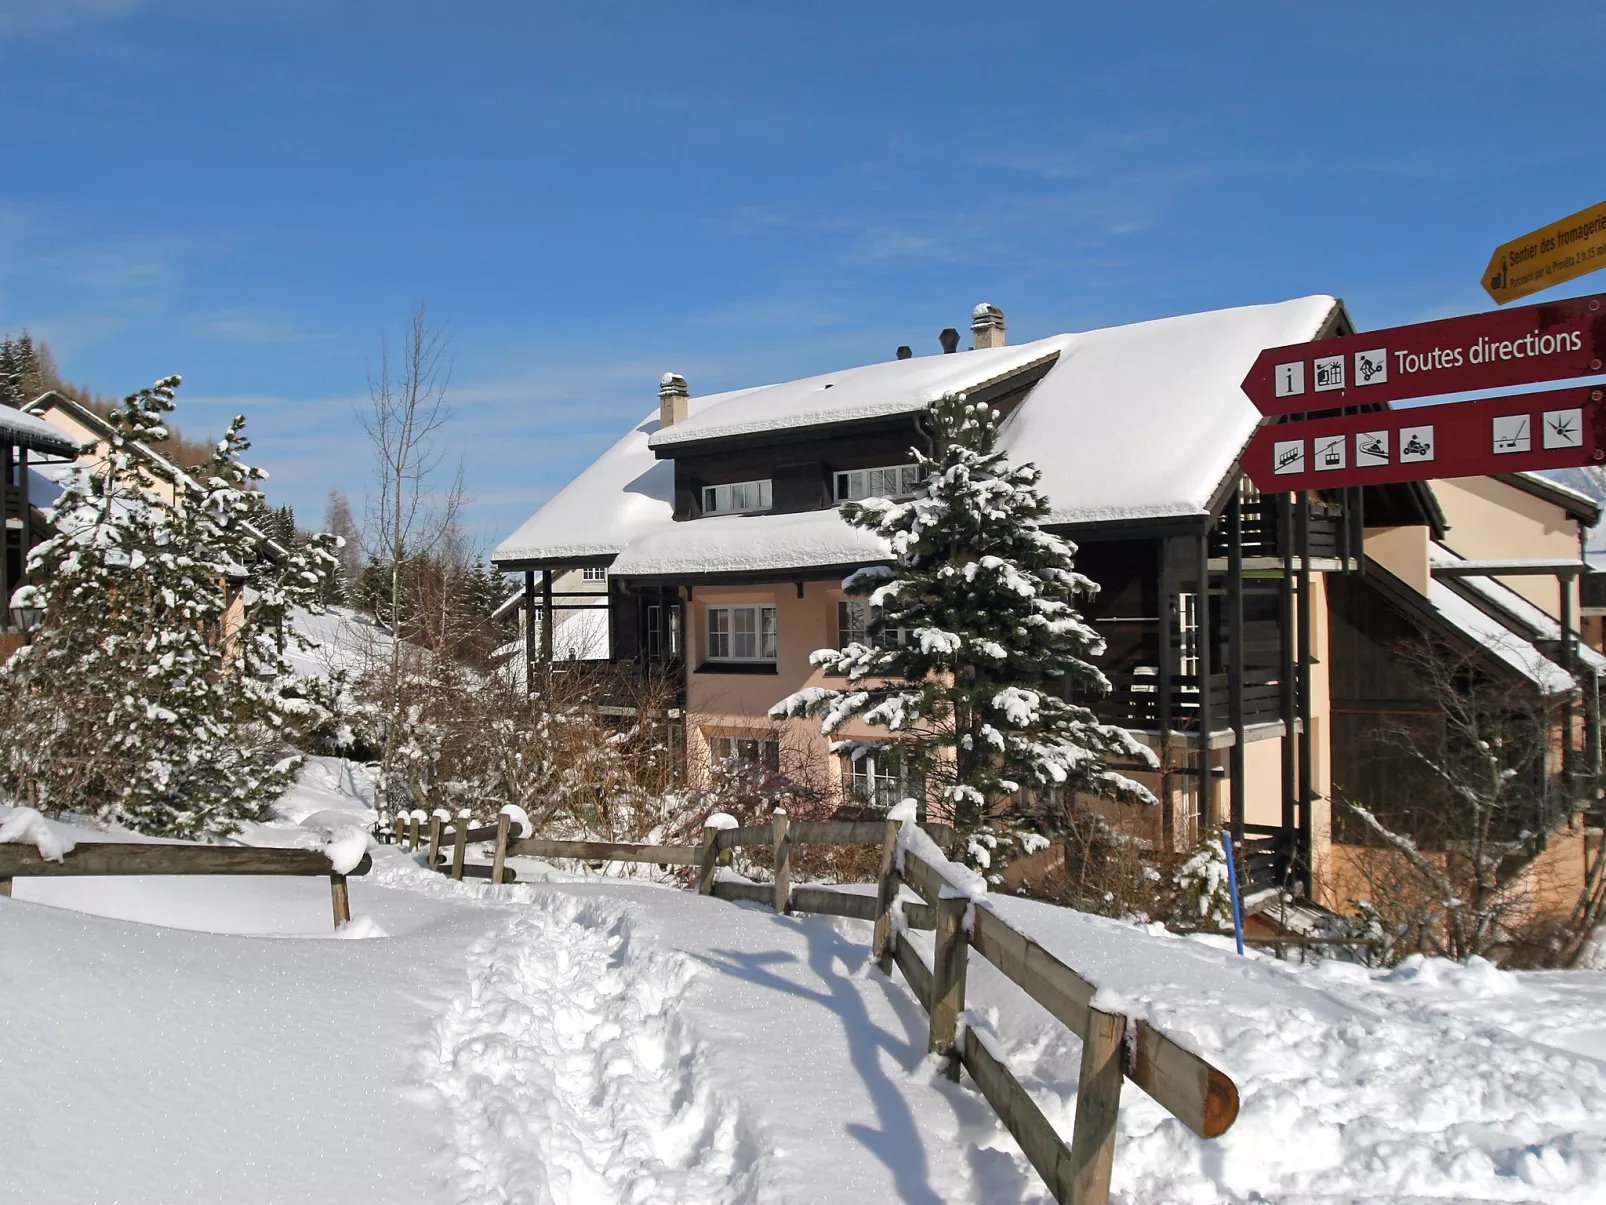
1098,1101
948,978
1038,1139
914,972
120,858
547,624
887,883
459,847
434,842
783,862
499,862
604,851
340,899
1209,814
529,631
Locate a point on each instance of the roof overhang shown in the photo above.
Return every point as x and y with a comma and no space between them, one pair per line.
1519,567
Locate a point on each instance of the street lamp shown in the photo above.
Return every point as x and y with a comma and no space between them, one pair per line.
26,608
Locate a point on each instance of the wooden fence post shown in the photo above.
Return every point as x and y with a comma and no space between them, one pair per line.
948,979
1098,1100
886,894
708,858
783,862
341,900
401,831
412,835
497,862
434,841
459,846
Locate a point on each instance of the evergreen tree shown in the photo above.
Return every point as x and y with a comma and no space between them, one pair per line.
24,373
975,644
157,689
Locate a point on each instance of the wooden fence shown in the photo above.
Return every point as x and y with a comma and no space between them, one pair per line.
123,858
1193,1091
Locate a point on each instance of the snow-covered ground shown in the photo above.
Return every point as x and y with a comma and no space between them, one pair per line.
601,1041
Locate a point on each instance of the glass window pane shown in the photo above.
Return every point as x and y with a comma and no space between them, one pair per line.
744,642
911,479
767,633
764,495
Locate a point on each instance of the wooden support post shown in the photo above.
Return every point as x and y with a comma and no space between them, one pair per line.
1287,674
459,846
886,894
1164,686
434,841
401,831
707,860
341,900
1209,813
1098,1101
529,631
783,863
547,625
412,836
1307,790
948,979
1235,666
500,859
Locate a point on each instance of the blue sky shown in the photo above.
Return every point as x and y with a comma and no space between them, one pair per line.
251,193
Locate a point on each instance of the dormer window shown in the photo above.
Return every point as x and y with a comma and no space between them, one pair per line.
894,481
737,497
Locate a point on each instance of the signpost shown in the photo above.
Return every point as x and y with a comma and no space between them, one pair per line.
1551,341
1564,428
1548,256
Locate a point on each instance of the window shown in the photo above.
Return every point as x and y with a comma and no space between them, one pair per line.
741,633
594,573
739,496
879,779
1187,633
745,755
894,481
853,626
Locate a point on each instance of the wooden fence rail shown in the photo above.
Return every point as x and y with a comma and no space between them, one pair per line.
94,858
1189,1087
1198,1094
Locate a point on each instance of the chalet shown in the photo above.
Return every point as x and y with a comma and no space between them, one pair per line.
26,443
713,525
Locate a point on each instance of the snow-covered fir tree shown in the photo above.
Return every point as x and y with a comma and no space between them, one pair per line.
975,645
157,690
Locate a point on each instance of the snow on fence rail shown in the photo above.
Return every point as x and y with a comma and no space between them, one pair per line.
1196,1093
123,858
1113,1046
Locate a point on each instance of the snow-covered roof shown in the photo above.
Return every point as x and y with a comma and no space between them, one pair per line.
22,430
751,543
1491,592
1500,640
1129,422
581,636
871,391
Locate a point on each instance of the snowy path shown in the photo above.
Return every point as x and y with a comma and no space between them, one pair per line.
570,1076
605,1041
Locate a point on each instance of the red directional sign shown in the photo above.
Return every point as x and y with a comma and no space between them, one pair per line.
1561,429
1523,346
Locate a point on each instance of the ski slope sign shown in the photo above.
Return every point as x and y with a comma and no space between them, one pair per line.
1552,341
1560,429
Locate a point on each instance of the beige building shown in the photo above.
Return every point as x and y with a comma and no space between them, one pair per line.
714,521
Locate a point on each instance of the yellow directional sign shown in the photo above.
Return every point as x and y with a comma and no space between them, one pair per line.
1548,256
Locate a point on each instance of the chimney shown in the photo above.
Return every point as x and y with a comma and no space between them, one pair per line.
671,399
987,324
904,353
949,340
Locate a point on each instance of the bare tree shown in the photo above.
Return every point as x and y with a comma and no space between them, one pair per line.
1469,797
408,514
337,521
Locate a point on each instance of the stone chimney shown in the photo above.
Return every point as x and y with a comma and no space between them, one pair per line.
671,399
987,325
